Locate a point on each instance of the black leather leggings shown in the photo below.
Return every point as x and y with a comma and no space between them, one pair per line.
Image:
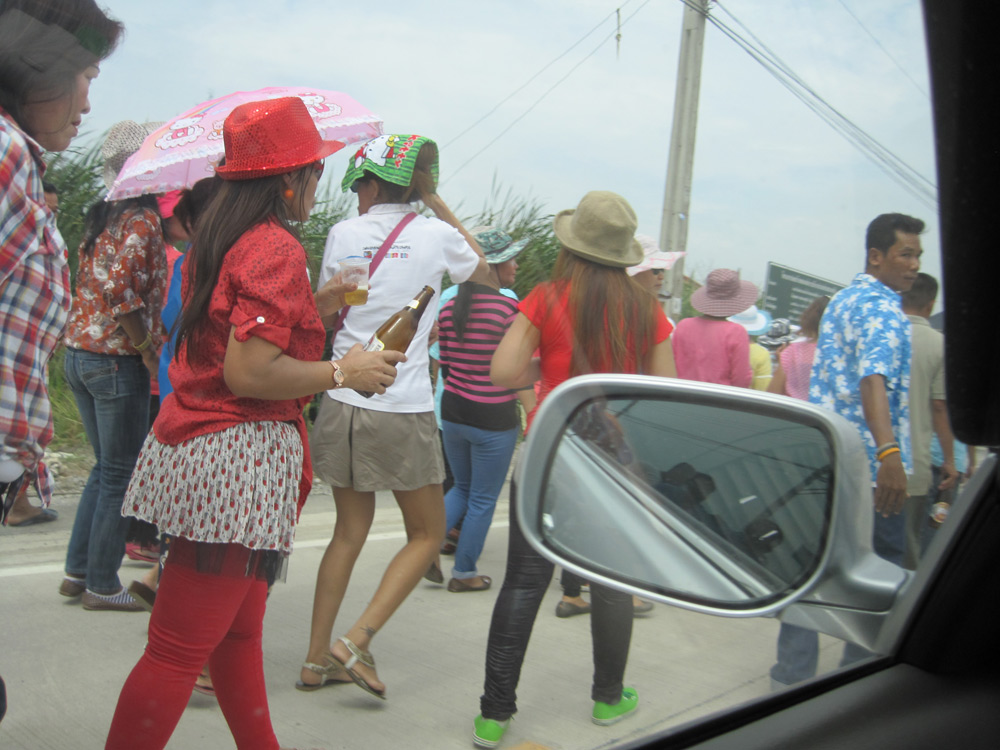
528,575
571,584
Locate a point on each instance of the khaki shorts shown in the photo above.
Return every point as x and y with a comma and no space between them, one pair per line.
372,450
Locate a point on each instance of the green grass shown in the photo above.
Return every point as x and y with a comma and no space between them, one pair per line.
69,434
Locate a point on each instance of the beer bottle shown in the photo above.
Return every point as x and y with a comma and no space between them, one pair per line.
397,332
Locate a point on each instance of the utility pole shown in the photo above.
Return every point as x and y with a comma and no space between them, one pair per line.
680,161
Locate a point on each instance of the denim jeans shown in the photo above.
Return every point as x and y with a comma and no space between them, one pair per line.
112,395
479,460
798,648
528,576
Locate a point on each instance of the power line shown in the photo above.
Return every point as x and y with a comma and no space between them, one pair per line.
548,91
520,88
905,176
884,50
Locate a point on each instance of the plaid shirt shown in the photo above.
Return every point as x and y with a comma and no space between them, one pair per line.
34,300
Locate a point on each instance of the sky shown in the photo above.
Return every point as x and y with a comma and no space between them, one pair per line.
772,181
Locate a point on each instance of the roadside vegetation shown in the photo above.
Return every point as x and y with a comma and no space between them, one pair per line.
76,173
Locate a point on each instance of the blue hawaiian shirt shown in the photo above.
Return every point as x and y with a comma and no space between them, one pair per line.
864,332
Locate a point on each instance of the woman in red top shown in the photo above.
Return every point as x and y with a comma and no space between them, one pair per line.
592,317
226,467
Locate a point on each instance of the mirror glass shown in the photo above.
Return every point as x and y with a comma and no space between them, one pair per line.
707,504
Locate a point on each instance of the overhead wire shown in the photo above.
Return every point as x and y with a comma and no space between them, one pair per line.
917,184
523,86
886,52
548,91
904,175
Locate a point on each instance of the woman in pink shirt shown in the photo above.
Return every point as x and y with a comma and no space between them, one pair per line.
791,377
710,348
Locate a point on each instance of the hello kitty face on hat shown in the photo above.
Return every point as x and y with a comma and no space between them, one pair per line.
378,151
182,132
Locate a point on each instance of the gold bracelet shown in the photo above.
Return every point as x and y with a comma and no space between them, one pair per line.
146,343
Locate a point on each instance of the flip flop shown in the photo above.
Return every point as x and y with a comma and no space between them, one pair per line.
139,553
208,689
47,514
204,690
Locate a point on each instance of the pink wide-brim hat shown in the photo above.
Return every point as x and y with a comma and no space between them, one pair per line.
724,294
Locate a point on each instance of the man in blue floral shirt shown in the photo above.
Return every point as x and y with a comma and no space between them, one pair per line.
862,372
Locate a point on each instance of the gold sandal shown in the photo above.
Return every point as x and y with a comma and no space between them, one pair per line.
326,675
358,657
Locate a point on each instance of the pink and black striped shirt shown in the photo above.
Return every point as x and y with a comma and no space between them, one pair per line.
470,397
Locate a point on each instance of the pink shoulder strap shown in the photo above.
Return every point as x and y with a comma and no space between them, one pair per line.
376,261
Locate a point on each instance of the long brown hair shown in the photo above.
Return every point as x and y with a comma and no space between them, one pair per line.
104,214
236,207
613,318
811,317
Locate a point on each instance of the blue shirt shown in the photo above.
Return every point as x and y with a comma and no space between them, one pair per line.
864,332
171,312
961,454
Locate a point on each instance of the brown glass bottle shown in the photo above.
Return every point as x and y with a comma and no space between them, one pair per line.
398,331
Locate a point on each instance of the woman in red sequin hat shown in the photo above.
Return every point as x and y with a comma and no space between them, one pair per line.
226,467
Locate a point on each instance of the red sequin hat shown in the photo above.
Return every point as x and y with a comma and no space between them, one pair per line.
271,137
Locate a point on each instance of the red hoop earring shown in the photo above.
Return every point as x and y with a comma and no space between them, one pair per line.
289,194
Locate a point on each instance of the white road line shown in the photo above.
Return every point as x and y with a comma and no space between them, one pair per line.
48,568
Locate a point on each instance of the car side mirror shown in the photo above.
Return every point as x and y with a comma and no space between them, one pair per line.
719,500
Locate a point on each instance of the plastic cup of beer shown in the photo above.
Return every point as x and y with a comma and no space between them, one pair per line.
354,270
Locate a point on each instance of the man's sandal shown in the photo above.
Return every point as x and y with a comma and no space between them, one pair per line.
326,674
357,657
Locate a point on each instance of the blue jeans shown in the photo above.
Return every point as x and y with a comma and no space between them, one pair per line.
479,460
112,395
798,648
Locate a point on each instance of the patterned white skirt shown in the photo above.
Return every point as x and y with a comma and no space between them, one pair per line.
238,486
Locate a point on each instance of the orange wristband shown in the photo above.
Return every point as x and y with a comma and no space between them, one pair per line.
887,452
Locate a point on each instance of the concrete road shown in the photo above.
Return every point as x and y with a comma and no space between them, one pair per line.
64,666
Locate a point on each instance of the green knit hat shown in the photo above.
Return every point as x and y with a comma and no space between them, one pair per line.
391,157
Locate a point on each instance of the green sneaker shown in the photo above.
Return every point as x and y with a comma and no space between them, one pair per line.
606,714
488,732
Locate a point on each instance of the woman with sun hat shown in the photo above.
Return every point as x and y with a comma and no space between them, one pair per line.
591,317
709,348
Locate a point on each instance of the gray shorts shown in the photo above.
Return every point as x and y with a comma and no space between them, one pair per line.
372,450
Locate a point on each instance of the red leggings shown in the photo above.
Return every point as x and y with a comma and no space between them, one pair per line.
198,618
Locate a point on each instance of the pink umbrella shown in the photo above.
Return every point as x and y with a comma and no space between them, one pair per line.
187,148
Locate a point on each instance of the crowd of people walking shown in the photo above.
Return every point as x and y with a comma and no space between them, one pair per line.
234,335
